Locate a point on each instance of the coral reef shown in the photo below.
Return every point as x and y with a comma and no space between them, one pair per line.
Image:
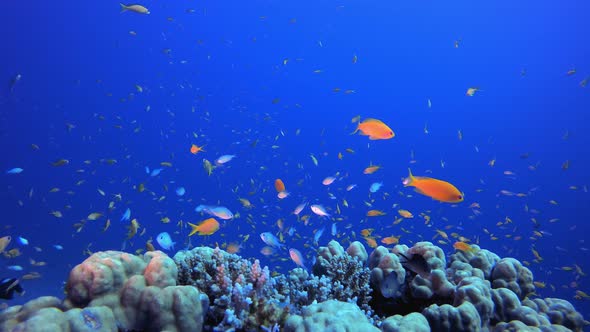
345,275
242,294
330,315
115,290
48,314
463,318
509,273
477,263
387,273
414,322
205,289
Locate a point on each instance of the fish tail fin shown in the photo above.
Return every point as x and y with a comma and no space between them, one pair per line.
123,7
410,179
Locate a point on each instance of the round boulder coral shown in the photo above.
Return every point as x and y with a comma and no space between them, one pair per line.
387,273
446,318
509,273
330,316
414,322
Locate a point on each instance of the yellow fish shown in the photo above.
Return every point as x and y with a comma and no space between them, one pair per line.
471,91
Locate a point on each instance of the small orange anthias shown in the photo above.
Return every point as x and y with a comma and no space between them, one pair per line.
375,129
196,149
436,189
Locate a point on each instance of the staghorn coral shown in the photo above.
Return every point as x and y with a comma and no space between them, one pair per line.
345,275
242,293
305,289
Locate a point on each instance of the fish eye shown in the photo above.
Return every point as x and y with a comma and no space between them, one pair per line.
459,196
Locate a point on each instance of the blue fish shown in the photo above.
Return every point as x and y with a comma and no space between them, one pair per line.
127,215
220,212
156,172
58,247
23,241
318,235
180,191
147,170
375,187
165,241
15,268
271,240
16,170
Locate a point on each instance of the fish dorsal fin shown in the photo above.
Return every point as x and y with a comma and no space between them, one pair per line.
409,181
371,120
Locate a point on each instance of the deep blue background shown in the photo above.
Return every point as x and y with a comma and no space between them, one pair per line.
79,65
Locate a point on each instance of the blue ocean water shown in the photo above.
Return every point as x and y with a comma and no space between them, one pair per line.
274,82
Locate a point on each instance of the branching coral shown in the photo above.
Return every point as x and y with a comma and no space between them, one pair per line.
213,290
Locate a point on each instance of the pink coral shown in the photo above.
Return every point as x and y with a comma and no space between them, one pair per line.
258,275
222,280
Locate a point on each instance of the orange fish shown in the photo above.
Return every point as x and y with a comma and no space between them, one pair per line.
196,149
367,232
233,248
464,247
375,213
436,189
375,129
405,213
206,227
279,185
371,169
371,242
390,240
